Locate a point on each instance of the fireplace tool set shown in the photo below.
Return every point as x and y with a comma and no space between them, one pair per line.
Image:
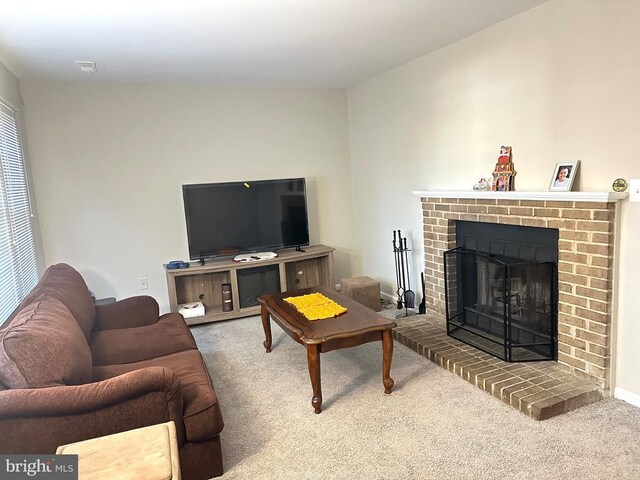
406,296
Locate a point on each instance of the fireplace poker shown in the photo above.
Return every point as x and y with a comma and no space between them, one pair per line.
400,290
404,284
422,308
395,260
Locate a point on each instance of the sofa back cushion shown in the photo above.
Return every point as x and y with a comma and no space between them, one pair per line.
43,346
65,283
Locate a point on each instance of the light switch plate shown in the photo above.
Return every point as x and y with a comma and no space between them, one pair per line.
634,190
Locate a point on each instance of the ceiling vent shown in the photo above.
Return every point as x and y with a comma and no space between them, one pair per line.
87,67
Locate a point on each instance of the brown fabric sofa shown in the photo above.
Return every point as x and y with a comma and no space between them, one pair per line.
71,370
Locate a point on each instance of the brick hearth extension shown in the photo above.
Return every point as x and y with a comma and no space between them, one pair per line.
587,223
540,390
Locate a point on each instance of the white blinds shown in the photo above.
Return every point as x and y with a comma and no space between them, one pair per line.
18,268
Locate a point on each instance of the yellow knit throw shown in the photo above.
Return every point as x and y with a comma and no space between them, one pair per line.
316,306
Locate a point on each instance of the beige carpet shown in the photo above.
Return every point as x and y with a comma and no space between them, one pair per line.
433,426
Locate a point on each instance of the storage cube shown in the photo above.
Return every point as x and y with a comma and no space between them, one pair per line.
364,290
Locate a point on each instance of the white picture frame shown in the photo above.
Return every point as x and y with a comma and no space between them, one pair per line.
563,176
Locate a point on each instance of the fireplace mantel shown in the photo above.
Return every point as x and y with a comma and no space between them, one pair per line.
552,196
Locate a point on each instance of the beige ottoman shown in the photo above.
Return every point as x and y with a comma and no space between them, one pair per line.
363,290
149,453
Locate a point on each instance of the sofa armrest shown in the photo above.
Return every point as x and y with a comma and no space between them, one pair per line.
38,420
128,313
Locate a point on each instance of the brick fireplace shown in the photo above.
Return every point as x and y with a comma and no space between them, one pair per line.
586,223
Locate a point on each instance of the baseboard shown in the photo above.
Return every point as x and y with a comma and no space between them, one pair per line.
388,296
627,396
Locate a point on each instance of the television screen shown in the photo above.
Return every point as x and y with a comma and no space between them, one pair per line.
225,219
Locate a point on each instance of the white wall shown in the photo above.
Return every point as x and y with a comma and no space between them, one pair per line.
109,161
9,87
558,82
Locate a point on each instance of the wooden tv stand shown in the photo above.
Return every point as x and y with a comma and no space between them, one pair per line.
310,268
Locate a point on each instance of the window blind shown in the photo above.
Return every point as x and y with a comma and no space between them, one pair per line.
18,267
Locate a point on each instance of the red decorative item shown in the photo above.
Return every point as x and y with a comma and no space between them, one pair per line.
504,173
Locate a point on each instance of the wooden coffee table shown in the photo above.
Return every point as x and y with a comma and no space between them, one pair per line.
357,326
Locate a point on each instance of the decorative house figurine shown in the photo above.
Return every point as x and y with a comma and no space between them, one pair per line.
504,173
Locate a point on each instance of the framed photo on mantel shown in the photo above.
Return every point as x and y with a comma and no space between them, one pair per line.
563,176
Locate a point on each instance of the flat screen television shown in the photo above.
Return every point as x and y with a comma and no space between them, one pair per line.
225,219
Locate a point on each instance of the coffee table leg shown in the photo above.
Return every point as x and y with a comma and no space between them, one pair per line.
266,324
313,361
387,353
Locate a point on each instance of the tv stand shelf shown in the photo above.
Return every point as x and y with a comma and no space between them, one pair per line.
296,270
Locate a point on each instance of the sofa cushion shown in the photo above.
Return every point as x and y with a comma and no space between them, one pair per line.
63,282
125,345
202,415
43,346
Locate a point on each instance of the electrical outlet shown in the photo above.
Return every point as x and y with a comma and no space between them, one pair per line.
143,284
634,190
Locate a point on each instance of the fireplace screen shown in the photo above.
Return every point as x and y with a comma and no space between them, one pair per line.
501,305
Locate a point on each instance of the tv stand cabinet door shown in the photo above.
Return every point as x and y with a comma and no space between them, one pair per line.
308,273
